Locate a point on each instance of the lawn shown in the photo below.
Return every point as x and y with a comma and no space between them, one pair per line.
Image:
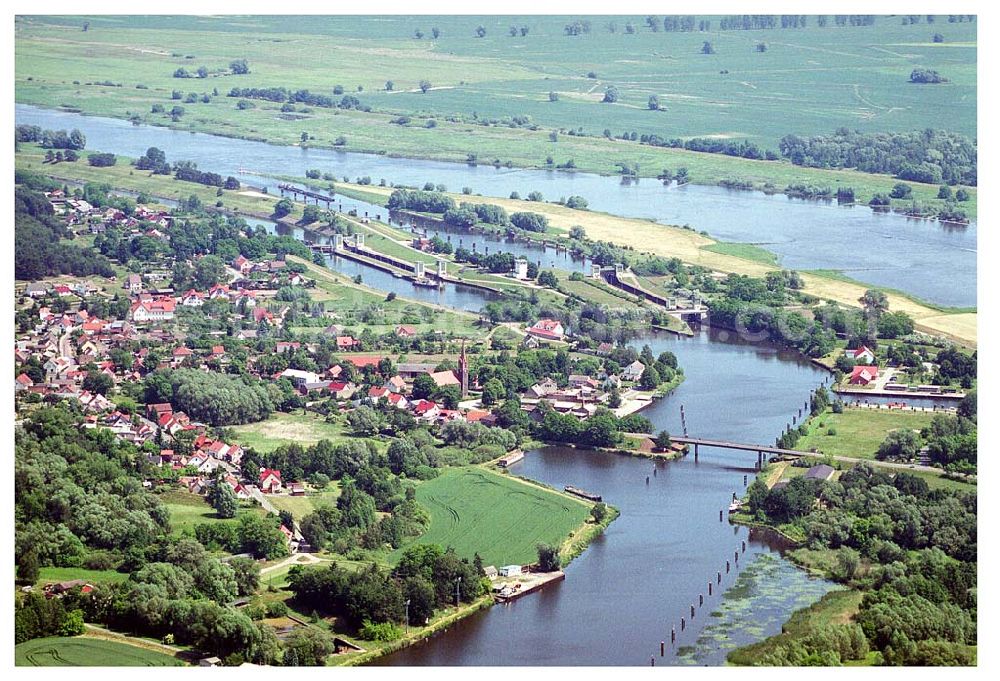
188,510
87,652
503,519
300,507
304,429
859,432
68,574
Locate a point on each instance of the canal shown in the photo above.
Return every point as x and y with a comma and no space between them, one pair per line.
927,259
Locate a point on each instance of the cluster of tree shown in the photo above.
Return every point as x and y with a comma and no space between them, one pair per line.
765,322
427,577
155,160
78,494
760,22
252,533
954,365
530,222
280,94
921,75
50,139
101,160
161,602
920,602
213,398
421,201
36,616
931,156
38,249
602,429
952,441
188,171
497,262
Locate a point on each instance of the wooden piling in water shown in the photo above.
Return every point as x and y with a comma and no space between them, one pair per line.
727,567
718,578
682,624
673,635
744,544
692,611
720,515
709,588
701,600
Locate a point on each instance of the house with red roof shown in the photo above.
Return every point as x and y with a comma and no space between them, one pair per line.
22,382
426,409
406,331
242,265
156,310
362,361
342,390
445,378
863,355
269,480
863,375
547,329
346,342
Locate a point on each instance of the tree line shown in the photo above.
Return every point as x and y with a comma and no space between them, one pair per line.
931,156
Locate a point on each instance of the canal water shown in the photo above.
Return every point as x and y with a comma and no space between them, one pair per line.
925,258
624,593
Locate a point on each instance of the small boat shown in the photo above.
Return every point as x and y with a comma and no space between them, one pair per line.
735,506
576,491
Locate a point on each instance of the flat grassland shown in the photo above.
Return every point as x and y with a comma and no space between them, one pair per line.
87,652
809,81
858,432
473,509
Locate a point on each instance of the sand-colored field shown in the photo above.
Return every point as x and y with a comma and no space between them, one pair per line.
650,237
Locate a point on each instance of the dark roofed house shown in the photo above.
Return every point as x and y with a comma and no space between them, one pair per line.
820,472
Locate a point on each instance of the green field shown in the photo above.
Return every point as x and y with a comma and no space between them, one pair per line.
68,574
187,510
87,652
809,81
476,510
859,432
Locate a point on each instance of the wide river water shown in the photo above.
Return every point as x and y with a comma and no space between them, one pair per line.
624,593
930,260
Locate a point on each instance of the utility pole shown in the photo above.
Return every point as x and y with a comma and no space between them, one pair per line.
458,584
407,615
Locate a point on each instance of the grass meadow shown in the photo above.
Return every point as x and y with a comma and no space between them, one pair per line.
858,432
809,81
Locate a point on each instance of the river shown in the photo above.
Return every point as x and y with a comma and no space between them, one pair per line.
625,592
925,258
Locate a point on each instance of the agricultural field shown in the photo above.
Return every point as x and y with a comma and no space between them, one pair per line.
87,652
858,432
808,81
474,509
